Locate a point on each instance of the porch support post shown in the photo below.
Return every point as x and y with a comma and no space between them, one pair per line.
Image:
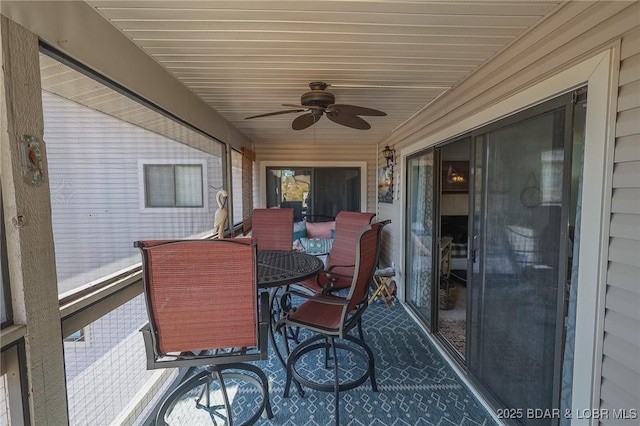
29,234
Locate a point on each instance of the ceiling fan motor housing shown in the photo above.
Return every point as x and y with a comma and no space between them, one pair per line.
317,96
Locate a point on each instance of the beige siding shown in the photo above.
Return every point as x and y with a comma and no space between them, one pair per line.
620,387
305,152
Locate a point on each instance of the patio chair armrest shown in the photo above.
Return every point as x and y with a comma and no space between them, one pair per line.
304,295
320,297
332,267
328,299
334,276
327,279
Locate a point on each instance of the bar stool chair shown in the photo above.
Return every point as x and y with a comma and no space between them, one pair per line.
202,303
330,317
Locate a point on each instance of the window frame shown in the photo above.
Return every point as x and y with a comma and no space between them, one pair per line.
364,206
4,270
13,367
237,207
142,184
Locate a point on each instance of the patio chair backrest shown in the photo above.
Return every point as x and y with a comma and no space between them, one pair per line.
368,245
273,228
200,294
343,251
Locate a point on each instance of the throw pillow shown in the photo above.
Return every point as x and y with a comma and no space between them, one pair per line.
317,245
320,229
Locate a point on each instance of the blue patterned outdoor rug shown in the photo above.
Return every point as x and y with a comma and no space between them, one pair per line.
416,386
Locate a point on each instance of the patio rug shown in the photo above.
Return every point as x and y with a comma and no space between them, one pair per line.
454,330
415,385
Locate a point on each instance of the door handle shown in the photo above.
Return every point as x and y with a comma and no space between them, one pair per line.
474,248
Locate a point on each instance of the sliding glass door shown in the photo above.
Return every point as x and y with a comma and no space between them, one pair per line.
518,213
420,234
315,192
519,239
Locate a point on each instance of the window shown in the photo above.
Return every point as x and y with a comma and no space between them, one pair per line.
236,182
173,185
120,170
315,191
79,336
99,193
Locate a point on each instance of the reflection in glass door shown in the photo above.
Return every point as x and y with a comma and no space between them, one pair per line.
419,232
519,256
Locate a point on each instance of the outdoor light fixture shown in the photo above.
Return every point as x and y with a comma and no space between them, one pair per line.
389,154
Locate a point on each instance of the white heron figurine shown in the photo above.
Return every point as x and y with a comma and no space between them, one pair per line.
220,218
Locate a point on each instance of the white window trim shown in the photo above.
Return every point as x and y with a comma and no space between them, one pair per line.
141,186
283,164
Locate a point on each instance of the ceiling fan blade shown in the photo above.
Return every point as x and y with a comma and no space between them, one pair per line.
305,107
305,120
352,121
355,110
275,113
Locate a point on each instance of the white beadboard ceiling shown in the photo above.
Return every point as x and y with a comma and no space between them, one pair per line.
248,57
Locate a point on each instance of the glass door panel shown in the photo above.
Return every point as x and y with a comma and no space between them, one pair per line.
419,231
317,193
335,189
516,292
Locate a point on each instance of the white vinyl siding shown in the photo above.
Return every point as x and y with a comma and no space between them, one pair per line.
620,386
97,190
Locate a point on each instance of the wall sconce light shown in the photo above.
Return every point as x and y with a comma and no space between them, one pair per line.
389,154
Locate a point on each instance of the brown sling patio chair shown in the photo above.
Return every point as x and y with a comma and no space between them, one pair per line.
331,317
202,303
341,259
273,228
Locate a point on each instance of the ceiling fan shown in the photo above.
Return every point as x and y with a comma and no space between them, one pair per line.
318,102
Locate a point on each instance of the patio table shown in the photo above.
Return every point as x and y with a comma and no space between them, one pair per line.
279,268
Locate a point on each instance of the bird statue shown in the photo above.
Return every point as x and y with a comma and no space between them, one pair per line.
220,218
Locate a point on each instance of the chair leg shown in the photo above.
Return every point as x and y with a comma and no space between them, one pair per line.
360,333
225,396
326,353
204,378
206,391
287,385
372,366
336,391
265,386
330,346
